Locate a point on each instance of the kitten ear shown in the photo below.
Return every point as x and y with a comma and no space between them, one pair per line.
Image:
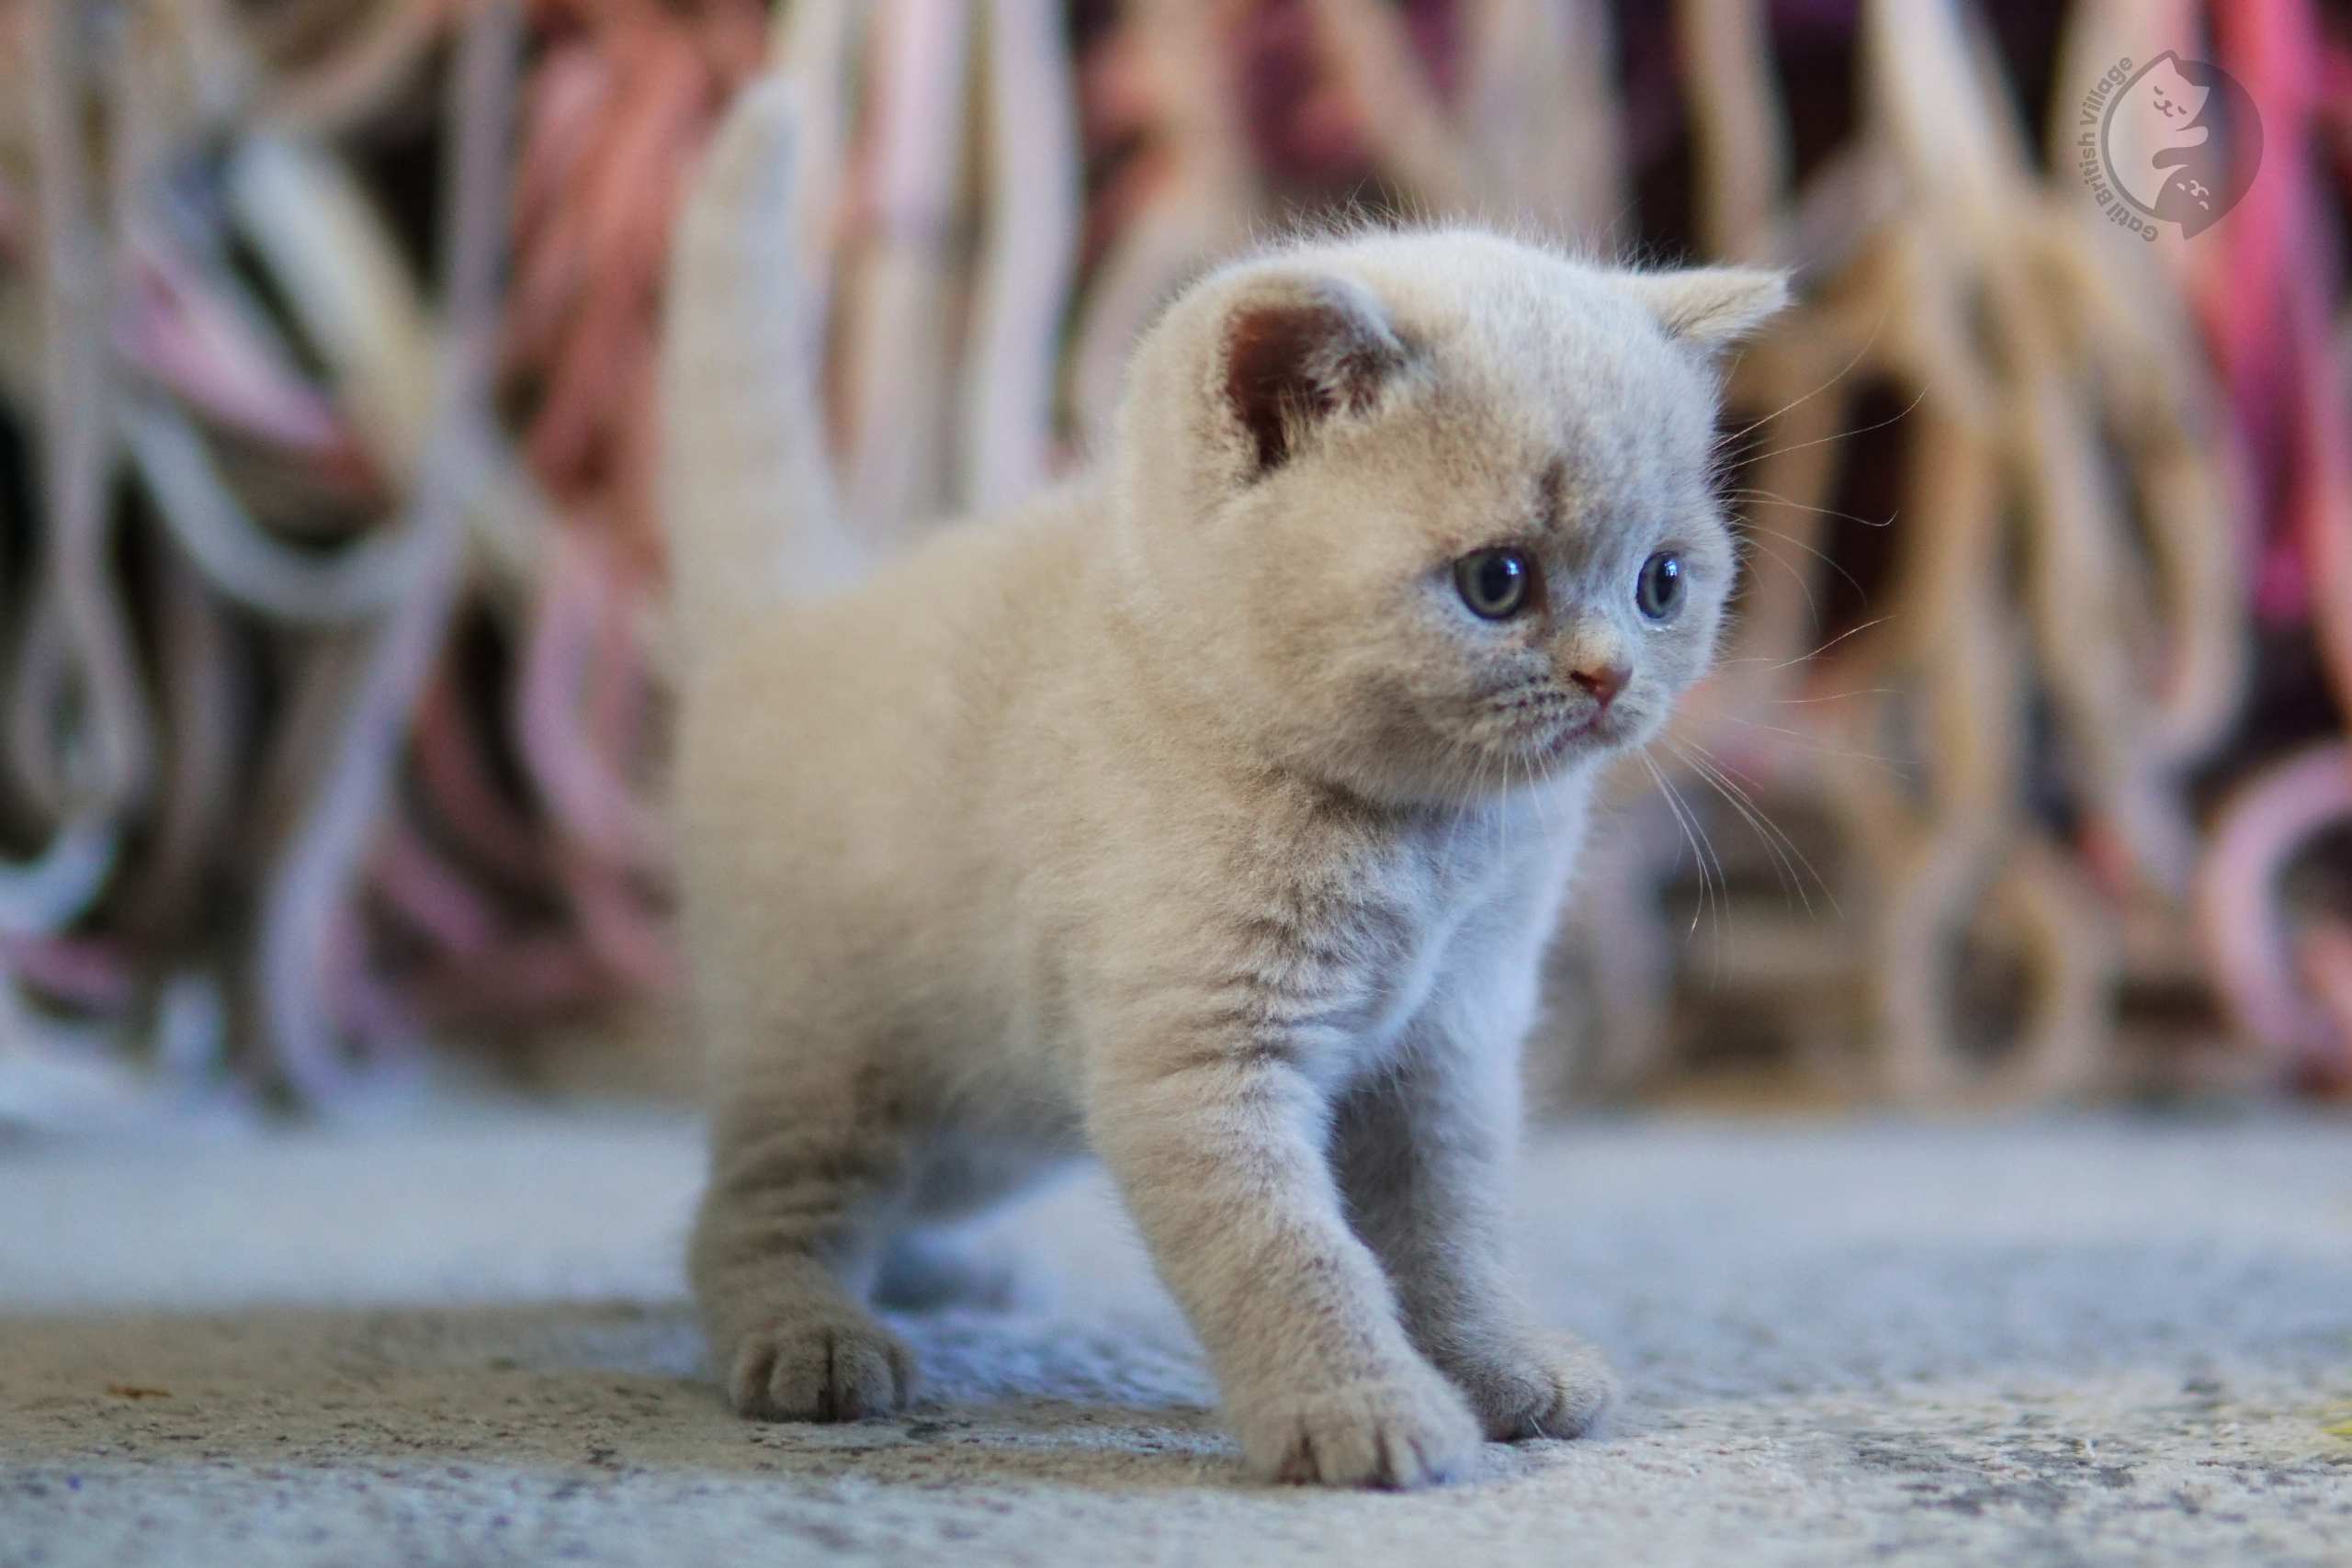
1712,306
1297,348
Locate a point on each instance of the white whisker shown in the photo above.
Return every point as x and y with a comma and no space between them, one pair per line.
1826,440
1701,847
1792,539
1806,658
1786,854
1891,766
1868,343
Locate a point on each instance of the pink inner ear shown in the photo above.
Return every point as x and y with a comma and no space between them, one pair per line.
1287,366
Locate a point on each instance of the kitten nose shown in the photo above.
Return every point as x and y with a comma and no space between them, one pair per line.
1604,684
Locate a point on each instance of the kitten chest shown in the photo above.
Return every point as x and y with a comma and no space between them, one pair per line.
1344,959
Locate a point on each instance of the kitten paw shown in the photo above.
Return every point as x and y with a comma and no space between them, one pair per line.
834,1366
1548,1385
1402,1432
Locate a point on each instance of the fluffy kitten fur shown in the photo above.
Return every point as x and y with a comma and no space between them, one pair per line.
1190,816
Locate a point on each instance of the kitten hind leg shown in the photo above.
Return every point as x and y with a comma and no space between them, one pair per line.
788,1237
934,1261
1424,1158
923,1269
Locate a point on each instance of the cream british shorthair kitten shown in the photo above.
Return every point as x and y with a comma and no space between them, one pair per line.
1211,815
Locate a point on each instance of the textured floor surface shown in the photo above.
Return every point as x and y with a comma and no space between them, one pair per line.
462,1342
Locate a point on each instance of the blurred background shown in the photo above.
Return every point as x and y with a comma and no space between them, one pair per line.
332,636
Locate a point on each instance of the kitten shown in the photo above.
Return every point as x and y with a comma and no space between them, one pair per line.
1212,815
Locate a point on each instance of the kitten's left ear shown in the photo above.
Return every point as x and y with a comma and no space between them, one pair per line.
1712,307
1299,348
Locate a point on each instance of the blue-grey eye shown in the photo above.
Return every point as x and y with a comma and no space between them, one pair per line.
1659,588
1497,584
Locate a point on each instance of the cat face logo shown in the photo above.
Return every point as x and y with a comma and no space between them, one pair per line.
2178,140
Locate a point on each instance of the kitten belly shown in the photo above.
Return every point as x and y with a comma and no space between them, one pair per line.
964,1168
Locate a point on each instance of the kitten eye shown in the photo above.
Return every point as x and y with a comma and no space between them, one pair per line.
1659,588
1495,583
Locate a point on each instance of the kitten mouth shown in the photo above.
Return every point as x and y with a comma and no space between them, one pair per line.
1593,725
1595,728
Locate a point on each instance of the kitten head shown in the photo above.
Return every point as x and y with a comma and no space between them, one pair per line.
1431,515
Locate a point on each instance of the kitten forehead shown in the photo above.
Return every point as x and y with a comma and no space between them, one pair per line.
1513,304
1556,356
1556,380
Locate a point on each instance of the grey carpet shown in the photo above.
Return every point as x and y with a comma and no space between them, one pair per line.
461,1339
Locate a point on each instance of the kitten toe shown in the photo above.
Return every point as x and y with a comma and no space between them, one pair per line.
1400,1433
1552,1385
819,1368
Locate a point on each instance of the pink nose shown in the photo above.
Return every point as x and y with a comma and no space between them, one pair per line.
1604,684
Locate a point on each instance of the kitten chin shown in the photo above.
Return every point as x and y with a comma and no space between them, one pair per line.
1162,812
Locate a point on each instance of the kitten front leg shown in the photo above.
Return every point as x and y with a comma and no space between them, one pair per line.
1221,1162
789,1232
1424,1157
